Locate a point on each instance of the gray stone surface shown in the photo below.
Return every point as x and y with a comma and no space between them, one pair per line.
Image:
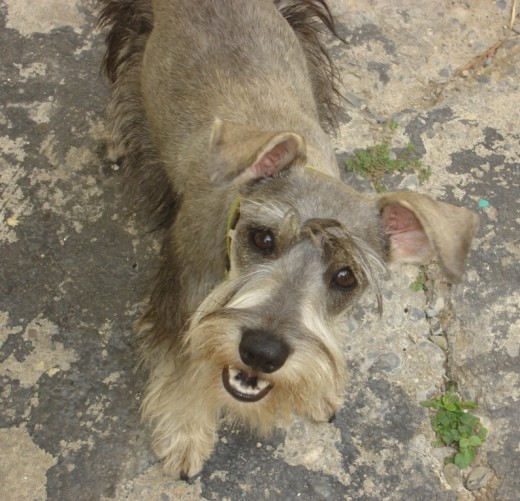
73,260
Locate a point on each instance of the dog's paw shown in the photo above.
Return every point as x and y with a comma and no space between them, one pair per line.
325,411
183,456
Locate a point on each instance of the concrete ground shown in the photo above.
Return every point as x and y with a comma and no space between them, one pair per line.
72,259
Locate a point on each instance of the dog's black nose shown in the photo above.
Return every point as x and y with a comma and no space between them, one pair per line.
263,351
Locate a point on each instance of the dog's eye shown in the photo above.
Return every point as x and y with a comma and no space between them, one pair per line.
262,239
344,279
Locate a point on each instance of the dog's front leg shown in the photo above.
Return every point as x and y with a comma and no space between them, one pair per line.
325,410
184,416
324,402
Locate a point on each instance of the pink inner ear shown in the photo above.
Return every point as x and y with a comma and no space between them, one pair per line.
408,241
266,166
275,159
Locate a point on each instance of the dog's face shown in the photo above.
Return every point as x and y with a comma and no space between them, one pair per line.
297,262
303,247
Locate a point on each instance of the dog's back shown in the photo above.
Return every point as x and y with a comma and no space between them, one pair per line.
262,55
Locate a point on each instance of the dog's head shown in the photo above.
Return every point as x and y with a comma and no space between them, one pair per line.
302,247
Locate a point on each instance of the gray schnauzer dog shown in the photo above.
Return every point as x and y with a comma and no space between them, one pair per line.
218,112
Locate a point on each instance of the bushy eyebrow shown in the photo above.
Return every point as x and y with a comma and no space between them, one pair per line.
330,235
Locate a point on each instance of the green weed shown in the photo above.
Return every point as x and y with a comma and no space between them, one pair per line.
393,125
424,174
456,427
419,284
376,161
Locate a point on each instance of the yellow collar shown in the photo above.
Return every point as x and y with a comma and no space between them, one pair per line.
231,223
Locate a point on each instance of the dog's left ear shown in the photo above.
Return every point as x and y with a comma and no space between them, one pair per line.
418,227
240,153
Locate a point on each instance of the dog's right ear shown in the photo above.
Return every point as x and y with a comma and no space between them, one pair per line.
240,153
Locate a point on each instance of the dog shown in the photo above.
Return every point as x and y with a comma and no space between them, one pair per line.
220,113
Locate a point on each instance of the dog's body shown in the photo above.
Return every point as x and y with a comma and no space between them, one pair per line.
216,112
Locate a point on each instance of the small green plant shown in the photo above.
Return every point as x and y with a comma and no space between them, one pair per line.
393,124
424,174
456,427
419,283
377,160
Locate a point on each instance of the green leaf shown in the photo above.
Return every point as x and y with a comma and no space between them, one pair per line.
446,417
469,419
466,430
464,443
455,434
451,406
451,402
447,437
474,441
464,459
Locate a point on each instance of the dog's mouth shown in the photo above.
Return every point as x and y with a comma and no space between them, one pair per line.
245,386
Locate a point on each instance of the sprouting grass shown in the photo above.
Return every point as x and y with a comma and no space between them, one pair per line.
419,284
377,160
393,125
424,174
456,427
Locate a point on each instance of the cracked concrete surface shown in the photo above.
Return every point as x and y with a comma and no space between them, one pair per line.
73,259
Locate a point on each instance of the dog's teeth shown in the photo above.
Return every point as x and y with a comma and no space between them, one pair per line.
246,383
